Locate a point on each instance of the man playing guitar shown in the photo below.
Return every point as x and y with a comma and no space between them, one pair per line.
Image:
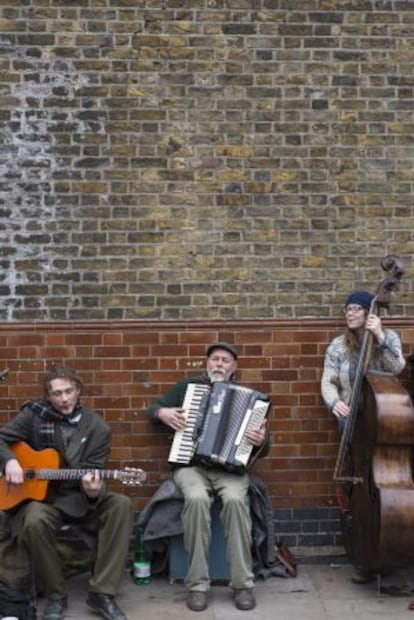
61,425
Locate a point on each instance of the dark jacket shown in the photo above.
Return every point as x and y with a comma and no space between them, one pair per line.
89,448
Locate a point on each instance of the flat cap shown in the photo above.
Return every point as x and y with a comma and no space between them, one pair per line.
222,345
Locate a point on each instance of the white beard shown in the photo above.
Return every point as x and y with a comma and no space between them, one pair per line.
217,376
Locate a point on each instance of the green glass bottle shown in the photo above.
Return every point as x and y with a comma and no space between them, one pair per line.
142,561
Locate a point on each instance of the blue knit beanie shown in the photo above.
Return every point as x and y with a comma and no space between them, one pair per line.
362,298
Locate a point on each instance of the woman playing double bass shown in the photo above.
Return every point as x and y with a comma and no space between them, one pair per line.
342,354
341,362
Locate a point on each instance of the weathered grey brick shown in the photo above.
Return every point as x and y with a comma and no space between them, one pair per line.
171,162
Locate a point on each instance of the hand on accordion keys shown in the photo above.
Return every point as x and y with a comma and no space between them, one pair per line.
173,417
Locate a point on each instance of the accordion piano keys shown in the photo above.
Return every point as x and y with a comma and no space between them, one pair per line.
183,445
218,417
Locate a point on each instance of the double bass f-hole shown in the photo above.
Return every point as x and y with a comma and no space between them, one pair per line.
395,271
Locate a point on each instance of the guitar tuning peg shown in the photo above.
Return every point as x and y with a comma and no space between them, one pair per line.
4,374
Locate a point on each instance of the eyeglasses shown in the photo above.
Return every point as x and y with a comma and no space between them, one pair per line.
60,393
353,309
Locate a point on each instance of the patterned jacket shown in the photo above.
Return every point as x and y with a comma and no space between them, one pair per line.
336,383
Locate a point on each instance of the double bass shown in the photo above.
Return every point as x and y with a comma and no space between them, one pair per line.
375,459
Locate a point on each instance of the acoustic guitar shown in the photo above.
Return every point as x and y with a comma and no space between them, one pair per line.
42,466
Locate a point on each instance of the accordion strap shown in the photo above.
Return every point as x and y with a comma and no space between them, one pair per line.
256,454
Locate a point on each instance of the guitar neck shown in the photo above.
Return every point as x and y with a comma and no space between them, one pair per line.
41,466
70,474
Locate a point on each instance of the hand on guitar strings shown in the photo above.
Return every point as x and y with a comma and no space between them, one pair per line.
13,472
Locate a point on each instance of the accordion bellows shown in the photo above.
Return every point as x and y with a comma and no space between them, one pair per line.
218,417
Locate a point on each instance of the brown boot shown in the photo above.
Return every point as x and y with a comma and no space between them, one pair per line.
196,600
244,599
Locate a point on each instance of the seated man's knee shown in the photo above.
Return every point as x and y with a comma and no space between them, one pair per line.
35,518
196,493
116,508
198,499
235,504
233,496
122,502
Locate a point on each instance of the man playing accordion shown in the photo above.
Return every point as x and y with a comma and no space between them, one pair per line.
199,481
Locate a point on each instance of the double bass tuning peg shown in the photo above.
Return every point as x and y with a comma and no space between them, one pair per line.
394,264
395,271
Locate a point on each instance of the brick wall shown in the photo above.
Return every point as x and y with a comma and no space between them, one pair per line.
127,364
211,160
172,173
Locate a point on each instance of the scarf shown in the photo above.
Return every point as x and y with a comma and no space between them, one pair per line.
49,417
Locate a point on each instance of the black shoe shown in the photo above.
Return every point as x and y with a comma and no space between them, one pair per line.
105,605
55,609
361,576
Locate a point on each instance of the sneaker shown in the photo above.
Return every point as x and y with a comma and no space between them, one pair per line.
244,599
196,600
105,605
55,609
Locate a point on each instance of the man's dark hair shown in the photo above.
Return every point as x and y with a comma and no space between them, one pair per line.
61,372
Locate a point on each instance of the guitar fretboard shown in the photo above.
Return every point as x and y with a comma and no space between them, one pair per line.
71,474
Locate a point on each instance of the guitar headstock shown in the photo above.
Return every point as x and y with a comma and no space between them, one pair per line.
131,476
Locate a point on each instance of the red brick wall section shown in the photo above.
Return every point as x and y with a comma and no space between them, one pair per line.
127,364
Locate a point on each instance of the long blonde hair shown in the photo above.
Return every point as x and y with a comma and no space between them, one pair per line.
352,342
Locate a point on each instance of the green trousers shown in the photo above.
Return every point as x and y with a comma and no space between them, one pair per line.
198,485
110,519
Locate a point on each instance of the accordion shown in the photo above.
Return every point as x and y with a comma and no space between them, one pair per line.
218,417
